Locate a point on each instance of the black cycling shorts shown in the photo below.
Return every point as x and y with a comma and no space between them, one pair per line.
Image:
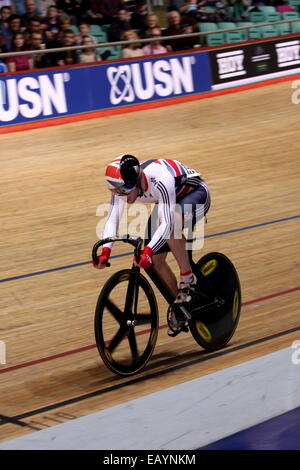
199,196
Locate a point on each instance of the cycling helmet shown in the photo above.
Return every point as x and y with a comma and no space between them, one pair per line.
123,174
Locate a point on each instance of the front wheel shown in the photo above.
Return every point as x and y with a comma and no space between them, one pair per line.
126,340
218,278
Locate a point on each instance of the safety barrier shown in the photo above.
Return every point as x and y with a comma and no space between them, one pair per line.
68,91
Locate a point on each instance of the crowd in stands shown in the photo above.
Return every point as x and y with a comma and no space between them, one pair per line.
28,25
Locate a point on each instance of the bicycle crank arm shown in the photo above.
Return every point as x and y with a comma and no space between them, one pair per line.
216,303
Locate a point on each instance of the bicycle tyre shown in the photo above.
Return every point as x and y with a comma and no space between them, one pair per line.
214,328
132,362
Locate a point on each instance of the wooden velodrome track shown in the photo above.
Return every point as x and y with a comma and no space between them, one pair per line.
247,147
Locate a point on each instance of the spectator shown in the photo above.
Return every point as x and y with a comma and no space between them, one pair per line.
5,13
20,8
14,26
24,62
64,25
5,3
89,54
34,26
131,50
176,27
188,25
190,8
3,66
119,26
151,24
51,24
84,31
36,43
176,5
44,6
221,11
155,47
31,11
240,10
139,16
193,8
67,57
173,29
283,6
71,8
104,11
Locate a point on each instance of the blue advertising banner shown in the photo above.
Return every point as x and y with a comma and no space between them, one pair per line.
49,94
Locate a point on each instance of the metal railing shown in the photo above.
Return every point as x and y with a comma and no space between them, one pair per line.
147,40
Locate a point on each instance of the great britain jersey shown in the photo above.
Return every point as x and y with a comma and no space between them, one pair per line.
166,181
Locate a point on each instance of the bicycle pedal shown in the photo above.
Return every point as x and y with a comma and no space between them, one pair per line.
173,333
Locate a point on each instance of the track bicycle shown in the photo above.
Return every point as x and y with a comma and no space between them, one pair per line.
126,317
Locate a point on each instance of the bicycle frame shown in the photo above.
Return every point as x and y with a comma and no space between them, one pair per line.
163,288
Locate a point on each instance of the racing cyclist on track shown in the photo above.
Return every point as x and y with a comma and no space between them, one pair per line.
167,183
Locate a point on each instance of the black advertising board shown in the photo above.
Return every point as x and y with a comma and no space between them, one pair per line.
253,60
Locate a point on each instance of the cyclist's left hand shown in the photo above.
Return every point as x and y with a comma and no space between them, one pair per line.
145,258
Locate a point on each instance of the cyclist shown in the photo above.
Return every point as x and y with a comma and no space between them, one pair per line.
165,182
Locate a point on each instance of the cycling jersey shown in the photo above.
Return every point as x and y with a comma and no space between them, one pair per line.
166,181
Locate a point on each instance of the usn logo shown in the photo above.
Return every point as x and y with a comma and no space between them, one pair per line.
141,81
31,97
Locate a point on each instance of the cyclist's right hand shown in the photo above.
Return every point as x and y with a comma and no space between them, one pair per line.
103,258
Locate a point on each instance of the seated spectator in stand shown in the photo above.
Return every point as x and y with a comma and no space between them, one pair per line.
221,12
139,16
35,44
103,11
190,8
89,54
155,47
119,25
255,4
5,13
67,57
3,66
51,24
283,5
44,6
34,26
5,3
177,26
151,24
131,50
188,25
240,10
176,5
31,11
196,9
174,27
64,25
24,62
14,26
71,8
84,31
20,8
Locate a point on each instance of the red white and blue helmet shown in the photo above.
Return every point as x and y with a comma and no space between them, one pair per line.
123,174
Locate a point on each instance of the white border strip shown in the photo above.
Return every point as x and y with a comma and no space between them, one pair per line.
247,81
